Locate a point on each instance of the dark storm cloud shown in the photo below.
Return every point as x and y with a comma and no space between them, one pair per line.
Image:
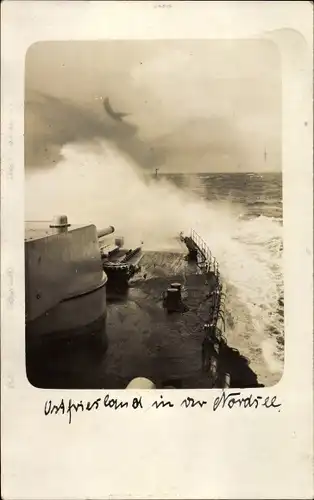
52,122
205,105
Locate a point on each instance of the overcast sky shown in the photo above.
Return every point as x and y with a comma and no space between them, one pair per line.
195,105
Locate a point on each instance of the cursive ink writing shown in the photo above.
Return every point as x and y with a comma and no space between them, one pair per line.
272,403
114,403
224,401
191,403
162,404
137,403
234,399
70,407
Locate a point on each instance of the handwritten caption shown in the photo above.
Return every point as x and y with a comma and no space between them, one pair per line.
226,401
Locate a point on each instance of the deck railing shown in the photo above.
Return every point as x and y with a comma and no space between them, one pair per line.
216,318
210,263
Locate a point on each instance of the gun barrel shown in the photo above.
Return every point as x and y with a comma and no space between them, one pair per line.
105,231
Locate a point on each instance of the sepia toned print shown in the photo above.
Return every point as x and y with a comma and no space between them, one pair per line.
153,234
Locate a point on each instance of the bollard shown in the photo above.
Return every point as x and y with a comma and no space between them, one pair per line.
172,301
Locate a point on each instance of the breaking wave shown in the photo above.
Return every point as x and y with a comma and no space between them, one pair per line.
95,183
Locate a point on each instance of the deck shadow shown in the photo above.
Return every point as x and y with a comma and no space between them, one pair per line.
232,368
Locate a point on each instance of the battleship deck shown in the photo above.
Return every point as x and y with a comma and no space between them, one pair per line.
146,341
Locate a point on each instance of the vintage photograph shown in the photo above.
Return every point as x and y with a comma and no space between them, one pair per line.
153,214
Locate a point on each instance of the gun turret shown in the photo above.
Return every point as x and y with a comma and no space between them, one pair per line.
105,231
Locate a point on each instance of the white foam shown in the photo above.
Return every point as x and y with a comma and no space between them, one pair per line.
95,183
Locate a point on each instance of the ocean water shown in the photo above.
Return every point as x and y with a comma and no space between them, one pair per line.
238,215
257,194
255,246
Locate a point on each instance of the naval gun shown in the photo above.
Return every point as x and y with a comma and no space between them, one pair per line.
68,269
120,264
105,232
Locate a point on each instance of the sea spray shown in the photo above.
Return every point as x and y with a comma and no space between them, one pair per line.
96,183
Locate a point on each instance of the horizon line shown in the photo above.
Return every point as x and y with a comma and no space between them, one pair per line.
218,172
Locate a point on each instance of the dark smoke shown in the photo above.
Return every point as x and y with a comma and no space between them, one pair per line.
51,122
